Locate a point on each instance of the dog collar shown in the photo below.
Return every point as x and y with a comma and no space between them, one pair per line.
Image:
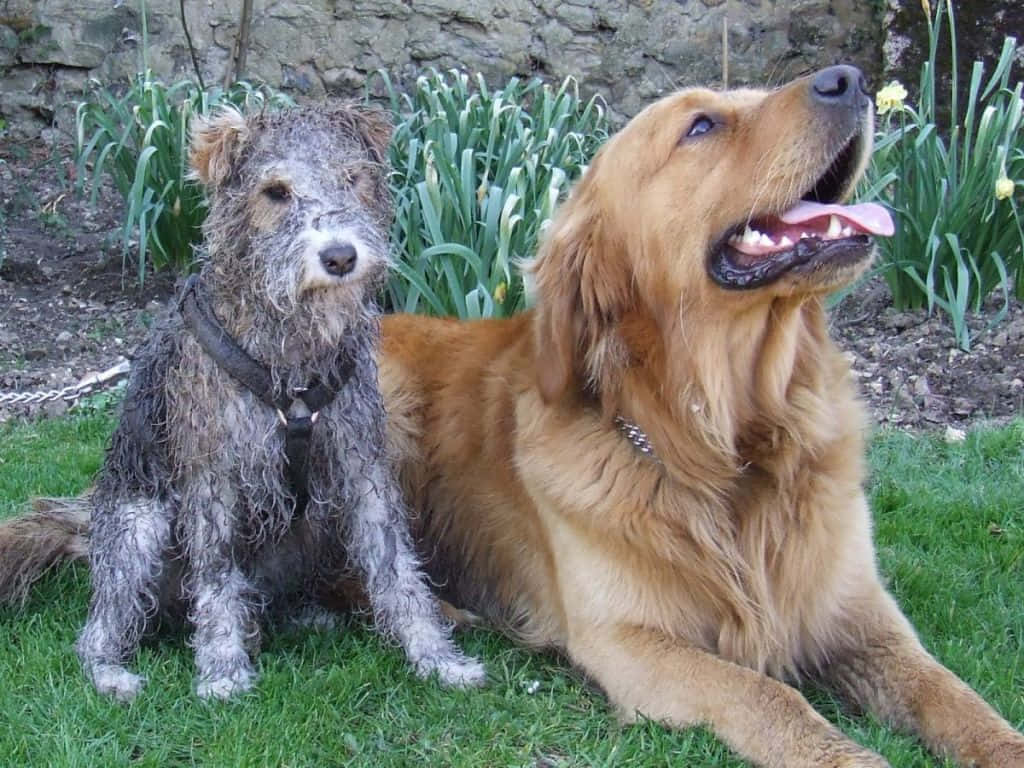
297,411
636,436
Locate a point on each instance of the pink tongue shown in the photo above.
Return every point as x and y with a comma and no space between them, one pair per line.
870,217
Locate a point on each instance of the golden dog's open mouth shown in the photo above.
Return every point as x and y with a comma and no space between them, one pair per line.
814,230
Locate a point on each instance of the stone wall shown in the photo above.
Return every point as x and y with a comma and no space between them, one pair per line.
630,52
981,26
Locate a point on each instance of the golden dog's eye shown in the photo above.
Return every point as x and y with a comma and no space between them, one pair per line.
701,124
278,192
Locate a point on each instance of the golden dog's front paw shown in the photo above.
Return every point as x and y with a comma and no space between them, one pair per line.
868,760
840,751
1005,751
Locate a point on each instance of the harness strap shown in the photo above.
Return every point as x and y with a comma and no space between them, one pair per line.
199,316
298,432
297,420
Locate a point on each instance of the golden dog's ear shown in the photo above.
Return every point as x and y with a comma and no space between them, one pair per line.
215,144
555,333
582,288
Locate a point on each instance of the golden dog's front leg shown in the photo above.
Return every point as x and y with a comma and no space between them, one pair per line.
886,671
643,671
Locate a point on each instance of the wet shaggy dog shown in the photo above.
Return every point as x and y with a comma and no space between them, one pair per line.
194,506
658,470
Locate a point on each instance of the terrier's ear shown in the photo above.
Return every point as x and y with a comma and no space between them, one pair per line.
216,143
375,129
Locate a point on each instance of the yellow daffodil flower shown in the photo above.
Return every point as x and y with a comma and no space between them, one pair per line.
890,97
1004,188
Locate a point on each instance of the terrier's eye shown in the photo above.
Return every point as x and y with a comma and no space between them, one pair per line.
362,182
278,192
701,124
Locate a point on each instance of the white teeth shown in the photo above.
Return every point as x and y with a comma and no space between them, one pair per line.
785,242
847,231
834,227
766,241
804,235
751,236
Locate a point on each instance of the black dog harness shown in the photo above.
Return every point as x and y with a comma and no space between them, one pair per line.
297,411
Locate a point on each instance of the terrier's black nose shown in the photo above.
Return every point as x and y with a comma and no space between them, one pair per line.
338,258
839,86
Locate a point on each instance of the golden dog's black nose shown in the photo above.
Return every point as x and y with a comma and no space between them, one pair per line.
839,86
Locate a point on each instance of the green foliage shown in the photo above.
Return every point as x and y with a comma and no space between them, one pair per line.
956,240
139,138
105,401
477,173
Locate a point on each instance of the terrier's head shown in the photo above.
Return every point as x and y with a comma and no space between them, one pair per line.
299,206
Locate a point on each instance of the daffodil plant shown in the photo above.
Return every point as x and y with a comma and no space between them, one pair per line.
952,186
477,174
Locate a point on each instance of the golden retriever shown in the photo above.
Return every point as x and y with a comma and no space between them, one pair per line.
658,469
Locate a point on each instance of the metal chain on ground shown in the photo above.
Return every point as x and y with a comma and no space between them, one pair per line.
69,393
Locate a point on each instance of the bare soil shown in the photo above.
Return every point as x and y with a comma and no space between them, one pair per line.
66,311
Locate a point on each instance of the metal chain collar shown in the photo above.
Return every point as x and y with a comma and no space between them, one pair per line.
69,393
636,436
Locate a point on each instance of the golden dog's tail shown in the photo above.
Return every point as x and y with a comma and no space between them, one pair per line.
56,531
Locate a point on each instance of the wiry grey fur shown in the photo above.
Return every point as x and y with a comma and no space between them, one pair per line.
193,505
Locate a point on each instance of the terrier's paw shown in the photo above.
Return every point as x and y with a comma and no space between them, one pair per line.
454,670
114,680
227,685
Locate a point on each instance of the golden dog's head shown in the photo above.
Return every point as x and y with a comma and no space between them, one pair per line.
706,206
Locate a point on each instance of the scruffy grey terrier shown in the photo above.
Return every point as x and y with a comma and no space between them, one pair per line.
247,472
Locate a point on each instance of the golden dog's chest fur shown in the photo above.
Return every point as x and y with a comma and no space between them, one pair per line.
689,583
608,537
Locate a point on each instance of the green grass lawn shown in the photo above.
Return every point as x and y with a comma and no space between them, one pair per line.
950,530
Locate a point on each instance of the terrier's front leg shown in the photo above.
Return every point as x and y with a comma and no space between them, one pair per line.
222,598
379,543
128,541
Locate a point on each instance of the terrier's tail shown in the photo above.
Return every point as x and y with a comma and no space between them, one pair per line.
56,531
